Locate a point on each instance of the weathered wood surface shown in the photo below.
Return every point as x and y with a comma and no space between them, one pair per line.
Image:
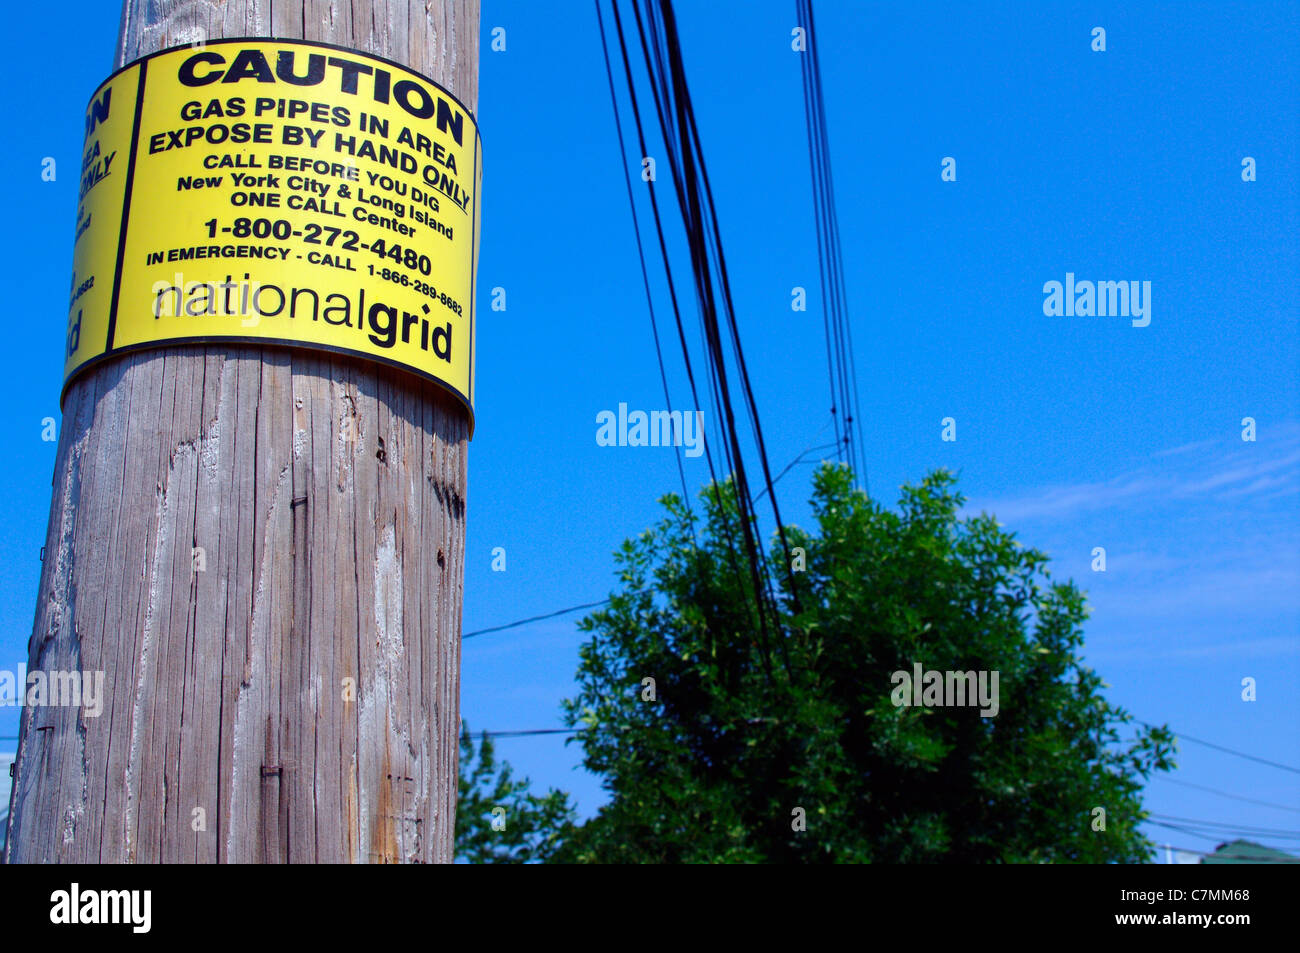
328,497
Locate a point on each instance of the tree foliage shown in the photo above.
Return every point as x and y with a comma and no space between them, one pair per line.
525,827
745,732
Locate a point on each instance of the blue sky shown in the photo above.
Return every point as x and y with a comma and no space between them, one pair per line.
1076,431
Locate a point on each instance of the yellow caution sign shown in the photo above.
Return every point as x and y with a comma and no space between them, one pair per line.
278,192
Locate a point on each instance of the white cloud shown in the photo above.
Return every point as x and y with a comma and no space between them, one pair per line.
1207,470
1268,647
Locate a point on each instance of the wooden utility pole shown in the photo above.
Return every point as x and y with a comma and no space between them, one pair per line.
237,535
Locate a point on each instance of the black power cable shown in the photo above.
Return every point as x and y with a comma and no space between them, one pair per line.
663,251
675,112
640,251
720,405
841,364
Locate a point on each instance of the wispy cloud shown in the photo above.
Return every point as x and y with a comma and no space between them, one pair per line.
1269,647
1232,590
1206,470
1186,448
1201,536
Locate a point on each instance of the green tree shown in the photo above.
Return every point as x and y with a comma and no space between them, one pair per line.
528,828
747,732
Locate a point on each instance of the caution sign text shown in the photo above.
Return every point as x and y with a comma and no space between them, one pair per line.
276,191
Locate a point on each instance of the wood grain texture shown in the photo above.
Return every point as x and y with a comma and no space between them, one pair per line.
328,497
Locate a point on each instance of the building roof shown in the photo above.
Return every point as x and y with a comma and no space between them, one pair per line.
1247,852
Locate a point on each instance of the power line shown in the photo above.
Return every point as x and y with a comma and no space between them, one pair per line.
789,466
1178,734
663,251
1235,797
592,605
640,251
661,49
535,618
577,731
1248,829
1188,831
1219,839
1233,751
841,363
700,220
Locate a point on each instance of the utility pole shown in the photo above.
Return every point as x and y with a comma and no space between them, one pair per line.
260,546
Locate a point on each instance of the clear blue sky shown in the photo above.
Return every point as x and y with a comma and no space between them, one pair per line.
1076,431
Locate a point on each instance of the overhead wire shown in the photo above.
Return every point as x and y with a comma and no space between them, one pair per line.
1232,751
662,55
640,251
535,618
592,605
663,250
1243,829
1235,797
709,259
840,355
